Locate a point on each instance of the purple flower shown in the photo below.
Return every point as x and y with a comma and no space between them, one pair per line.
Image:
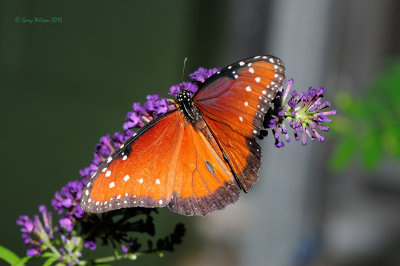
191,87
59,203
78,211
118,138
26,239
124,248
151,101
90,244
302,112
67,222
104,148
72,189
85,172
46,218
132,119
138,108
161,106
174,90
34,228
201,74
26,223
32,252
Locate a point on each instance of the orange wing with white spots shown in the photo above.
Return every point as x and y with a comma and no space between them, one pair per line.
233,103
138,173
167,162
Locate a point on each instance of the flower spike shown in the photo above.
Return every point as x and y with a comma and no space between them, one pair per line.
303,113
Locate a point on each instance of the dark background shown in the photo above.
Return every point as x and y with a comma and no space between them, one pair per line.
65,85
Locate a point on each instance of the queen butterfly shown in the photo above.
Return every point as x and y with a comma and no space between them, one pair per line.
195,158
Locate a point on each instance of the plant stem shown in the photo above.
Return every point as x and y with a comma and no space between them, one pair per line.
131,256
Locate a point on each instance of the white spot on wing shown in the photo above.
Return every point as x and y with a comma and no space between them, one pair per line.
112,185
246,103
257,79
157,181
241,63
241,119
109,159
126,178
248,88
160,201
251,70
124,158
108,173
141,180
104,169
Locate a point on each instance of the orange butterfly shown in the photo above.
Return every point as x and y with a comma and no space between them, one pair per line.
194,158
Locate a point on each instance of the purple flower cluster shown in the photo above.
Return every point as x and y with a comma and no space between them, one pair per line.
302,112
200,75
141,115
34,232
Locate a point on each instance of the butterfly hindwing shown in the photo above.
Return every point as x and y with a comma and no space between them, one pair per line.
233,103
203,181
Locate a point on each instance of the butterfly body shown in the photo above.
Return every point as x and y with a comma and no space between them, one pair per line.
191,113
196,158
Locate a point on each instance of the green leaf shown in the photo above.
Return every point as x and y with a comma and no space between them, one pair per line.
372,150
342,155
8,255
49,261
22,261
47,255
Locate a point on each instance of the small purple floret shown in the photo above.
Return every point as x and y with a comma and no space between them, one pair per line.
67,223
90,244
32,252
26,223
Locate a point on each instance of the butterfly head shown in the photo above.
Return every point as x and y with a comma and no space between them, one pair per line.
184,97
186,105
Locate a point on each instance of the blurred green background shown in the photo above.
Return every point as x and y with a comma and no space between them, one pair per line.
65,85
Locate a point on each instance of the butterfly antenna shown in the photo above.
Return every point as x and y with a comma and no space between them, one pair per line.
183,69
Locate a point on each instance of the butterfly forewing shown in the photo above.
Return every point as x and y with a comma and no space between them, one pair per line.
233,103
139,173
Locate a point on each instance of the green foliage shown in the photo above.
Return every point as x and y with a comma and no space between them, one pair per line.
11,258
368,126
